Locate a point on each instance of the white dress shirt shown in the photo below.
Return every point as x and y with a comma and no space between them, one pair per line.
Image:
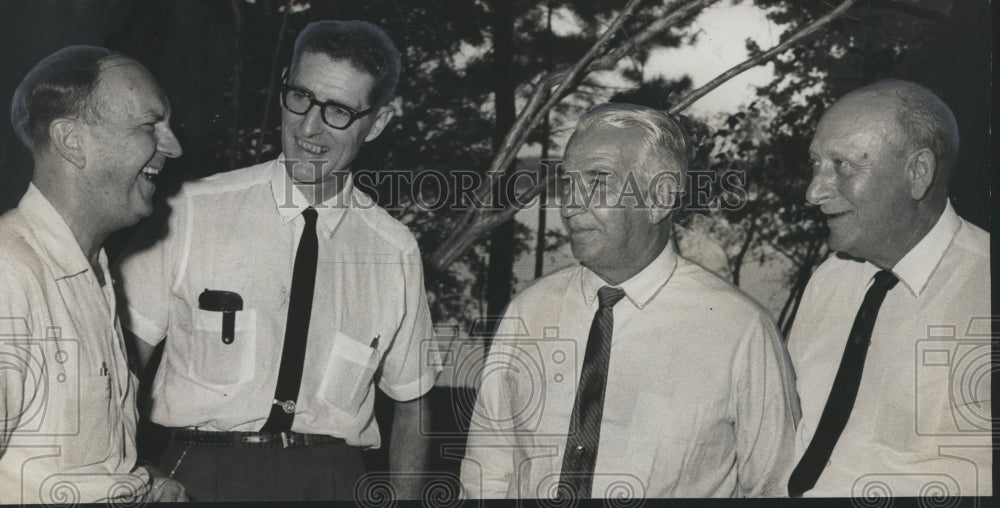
699,400
920,424
239,232
67,397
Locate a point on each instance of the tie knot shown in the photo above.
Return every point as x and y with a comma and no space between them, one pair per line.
608,296
309,214
885,280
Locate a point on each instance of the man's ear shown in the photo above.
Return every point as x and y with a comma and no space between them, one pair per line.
921,169
381,120
66,138
663,197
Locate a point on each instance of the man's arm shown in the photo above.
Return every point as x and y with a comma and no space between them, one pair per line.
14,325
488,466
767,410
408,448
141,351
407,376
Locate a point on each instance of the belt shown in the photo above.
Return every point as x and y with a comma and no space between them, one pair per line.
193,437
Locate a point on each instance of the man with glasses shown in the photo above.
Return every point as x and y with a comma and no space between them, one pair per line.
284,294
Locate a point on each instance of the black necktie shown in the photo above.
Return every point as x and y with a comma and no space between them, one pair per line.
844,391
585,423
293,354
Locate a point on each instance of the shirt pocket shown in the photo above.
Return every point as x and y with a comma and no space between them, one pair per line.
349,372
216,362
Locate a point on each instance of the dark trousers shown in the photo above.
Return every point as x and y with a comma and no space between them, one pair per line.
328,471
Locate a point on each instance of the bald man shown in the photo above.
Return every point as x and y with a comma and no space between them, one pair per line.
894,383
97,125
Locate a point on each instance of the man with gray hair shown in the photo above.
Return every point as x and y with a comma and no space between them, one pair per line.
639,373
284,295
97,125
891,342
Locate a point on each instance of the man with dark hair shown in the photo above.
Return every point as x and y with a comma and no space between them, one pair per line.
891,340
97,126
285,295
639,373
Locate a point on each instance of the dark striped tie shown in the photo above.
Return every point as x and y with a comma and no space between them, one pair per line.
844,391
577,476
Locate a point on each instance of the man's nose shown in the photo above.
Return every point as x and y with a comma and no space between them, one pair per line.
168,144
570,205
569,199
313,121
820,186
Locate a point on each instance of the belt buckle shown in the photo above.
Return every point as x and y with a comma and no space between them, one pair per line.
288,406
255,439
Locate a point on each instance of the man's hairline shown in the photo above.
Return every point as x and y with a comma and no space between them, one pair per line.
373,105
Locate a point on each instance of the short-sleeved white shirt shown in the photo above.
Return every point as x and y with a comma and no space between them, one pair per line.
67,397
239,232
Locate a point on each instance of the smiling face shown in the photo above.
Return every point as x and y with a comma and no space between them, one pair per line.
306,138
127,144
860,180
615,242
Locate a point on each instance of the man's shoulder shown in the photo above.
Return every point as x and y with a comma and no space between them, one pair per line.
19,253
384,225
235,181
546,286
711,287
20,260
973,239
835,268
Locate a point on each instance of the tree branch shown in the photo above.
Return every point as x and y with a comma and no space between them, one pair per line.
754,61
527,119
478,221
272,80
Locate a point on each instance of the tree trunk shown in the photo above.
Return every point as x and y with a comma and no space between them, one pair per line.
546,134
791,306
747,242
499,281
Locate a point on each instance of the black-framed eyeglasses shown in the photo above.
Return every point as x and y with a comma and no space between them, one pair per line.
334,114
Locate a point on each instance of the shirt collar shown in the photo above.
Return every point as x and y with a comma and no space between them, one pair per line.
641,287
63,253
290,201
917,266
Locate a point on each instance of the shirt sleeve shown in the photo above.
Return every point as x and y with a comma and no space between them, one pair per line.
488,466
767,410
406,373
15,314
146,273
